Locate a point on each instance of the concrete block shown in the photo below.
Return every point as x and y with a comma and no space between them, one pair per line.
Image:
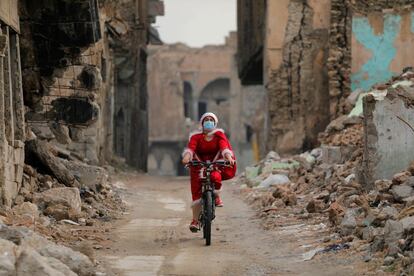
389,134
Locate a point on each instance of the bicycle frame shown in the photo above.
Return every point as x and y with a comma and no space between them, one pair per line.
207,214
207,185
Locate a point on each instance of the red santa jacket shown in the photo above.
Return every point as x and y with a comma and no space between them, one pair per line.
211,150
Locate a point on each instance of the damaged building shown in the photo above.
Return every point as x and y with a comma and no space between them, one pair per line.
310,55
186,82
72,79
75,76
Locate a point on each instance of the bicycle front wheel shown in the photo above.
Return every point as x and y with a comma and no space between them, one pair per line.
208,217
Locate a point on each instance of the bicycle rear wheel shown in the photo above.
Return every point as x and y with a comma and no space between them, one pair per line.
208,217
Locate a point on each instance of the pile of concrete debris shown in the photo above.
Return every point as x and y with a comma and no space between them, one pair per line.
23,252
61,200
360,181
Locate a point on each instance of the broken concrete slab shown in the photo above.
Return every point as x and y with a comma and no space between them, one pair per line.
7,257
273,180
32,263
93,177
408,223
389,132
61,203
400,192
393,231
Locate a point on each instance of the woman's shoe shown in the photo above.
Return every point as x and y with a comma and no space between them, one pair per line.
194,226
218,201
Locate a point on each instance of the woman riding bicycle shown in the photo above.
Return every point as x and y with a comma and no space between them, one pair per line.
209,143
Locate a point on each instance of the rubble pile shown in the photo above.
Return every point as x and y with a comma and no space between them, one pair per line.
328,185
62,200
23,252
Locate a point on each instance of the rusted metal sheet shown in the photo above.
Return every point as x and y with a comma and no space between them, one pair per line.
9,13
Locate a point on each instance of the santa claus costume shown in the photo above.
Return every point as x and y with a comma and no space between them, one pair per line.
209,145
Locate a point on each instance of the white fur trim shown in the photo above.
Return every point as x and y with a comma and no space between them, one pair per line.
217,192
195,133
200,131
196,202
188,151
225,151
209,114
215,130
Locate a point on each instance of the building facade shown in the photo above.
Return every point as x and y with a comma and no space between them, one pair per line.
184,83
309,56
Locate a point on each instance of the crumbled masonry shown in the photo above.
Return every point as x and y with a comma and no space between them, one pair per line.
339,184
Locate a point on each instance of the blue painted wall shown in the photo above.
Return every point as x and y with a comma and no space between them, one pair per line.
382,48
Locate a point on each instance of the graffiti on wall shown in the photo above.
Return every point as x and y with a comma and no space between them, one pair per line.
381,46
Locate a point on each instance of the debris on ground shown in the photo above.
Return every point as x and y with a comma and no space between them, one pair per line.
337,184
63,207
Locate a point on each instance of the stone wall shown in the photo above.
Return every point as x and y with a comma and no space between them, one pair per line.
12,125
85,76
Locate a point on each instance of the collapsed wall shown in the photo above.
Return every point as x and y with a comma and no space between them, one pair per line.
297,85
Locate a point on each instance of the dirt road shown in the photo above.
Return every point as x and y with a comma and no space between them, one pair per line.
154,238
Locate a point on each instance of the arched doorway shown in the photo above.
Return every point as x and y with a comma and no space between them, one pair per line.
215,98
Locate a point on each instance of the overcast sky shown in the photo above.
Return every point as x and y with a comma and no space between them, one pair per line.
197,22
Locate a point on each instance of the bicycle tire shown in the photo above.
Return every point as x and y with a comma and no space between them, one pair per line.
208,217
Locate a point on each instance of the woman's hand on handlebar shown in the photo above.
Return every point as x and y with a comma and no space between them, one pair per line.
186,159
229,158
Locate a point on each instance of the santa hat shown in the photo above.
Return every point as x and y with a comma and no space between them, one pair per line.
209,114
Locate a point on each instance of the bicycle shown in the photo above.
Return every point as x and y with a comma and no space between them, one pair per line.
207,214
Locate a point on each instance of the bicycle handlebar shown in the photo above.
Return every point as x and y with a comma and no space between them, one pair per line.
208,164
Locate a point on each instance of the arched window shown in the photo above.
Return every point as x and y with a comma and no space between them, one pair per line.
215,98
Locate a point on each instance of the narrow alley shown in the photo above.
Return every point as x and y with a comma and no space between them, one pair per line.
153,239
